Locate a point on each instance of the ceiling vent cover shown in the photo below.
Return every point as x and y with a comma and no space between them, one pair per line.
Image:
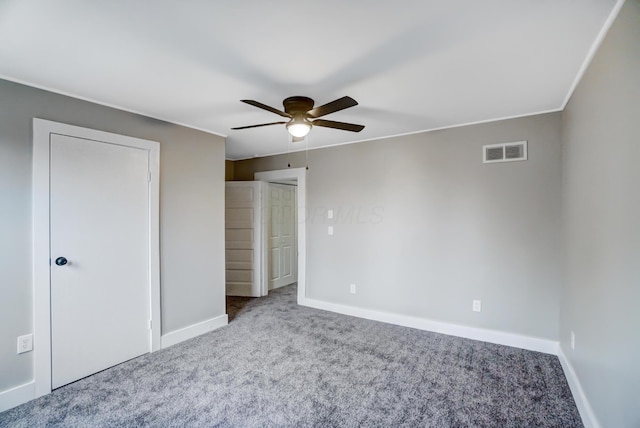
505,152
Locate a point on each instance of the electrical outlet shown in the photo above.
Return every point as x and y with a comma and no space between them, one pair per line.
352,288
573,341
330,230
477,306
25,343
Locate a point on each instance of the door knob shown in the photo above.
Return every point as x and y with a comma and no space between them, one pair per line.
61,261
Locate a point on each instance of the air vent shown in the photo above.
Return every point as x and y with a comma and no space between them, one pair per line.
505,152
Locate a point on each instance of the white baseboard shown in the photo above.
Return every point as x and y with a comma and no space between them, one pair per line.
586,411
476,333
193,330
15,396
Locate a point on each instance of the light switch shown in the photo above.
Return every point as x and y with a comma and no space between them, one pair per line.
330,230
329,214
25,343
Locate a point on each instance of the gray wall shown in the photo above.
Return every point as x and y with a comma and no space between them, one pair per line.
191,214
423,227
601,174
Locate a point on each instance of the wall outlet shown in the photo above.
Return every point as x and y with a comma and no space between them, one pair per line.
573,341
25,343
329,214
330,230
352,288
477,306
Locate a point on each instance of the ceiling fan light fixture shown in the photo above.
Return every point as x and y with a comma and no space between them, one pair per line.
299,127
302,116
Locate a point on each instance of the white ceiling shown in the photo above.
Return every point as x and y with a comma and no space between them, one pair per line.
412,65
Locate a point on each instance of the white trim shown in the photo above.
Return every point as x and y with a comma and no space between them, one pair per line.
41,256
101,103
15,396
154,246
263,248
193,330
594,49
300,175
475,333
584,408
41,234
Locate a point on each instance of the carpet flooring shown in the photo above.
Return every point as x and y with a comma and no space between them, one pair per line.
281,365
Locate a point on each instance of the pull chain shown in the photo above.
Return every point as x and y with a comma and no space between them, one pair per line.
306,143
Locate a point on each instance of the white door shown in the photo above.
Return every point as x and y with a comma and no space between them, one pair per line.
243,238
99,215
282,235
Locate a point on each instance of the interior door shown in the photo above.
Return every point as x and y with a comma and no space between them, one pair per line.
282,235
100,256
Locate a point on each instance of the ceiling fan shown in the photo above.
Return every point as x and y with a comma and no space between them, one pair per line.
302,116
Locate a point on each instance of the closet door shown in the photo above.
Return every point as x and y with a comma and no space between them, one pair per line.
100,256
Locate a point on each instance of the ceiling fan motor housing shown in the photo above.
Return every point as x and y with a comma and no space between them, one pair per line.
297,105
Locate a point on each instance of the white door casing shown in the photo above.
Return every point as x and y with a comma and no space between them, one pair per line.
100,296
243,238
282,233
44,132
299,176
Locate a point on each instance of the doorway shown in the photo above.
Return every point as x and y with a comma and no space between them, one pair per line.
87,273
290,176
280,233
260,237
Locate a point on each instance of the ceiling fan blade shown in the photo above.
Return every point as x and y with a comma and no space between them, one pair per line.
333,106
338,125
257,126
266,107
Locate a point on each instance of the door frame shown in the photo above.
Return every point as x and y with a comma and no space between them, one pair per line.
266,226
42,129
300,176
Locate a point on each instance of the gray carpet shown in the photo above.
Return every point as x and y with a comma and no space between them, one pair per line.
281,365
